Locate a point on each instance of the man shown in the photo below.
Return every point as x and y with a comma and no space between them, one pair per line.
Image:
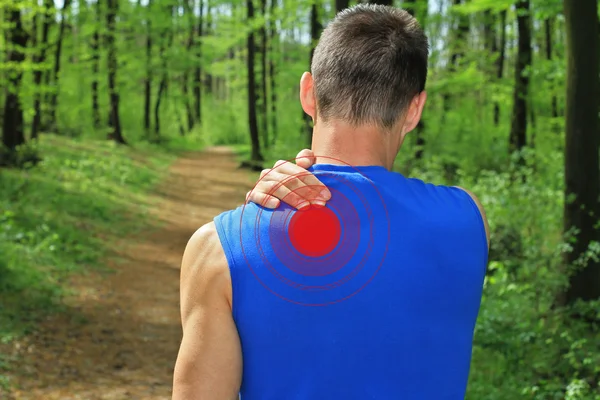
388,311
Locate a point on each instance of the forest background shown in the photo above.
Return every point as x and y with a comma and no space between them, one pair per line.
99,97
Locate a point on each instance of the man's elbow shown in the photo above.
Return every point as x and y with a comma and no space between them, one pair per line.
186,383
188,389
183,391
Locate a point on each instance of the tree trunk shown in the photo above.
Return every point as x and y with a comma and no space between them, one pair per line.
95,47
518,131
548,34
208,78
256,155
272,71
501,50
409,6
341,5
185,78
462,31
162,87
149,75
582,177
111,13
198,69
418,9
498,52
262,32
13,127
457,45
53,103
315,32
35,46
39,59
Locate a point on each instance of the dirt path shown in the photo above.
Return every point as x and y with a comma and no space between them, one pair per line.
121,338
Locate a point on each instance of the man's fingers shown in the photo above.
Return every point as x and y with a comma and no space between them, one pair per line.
262,199
316,186
305,158
295,198
291,183
294,177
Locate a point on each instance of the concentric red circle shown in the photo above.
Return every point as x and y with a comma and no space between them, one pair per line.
314,231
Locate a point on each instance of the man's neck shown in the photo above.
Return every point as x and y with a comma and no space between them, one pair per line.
341,144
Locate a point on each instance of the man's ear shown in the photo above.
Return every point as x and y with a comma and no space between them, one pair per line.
415,109
307,95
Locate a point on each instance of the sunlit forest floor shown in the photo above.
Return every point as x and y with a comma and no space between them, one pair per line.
120,335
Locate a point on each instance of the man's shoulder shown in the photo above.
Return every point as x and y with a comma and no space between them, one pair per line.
204,264
437,192
452,196
480,208
205,238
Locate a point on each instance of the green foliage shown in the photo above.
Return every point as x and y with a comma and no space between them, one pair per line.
61,216
24,156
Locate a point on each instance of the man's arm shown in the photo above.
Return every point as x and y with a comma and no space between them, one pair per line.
209,364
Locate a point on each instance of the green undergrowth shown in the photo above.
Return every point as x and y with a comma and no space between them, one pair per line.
63,215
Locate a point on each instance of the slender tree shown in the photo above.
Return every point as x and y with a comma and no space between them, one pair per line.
256,155
582,176
149,74
316,27
166,43
518,131
208,30
95,47
500,50
198,70
461,33
53,101
548,22
16,39
272,70
383,2
490,33
409,6
458,45
341,5
111,13
39,59
188,8
263,104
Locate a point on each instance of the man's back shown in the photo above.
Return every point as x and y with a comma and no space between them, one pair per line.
389,313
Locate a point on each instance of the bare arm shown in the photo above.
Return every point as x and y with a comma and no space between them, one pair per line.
209,364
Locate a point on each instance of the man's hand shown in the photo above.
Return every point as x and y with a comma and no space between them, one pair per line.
290,183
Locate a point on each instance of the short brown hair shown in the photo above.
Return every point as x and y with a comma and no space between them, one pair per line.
369,64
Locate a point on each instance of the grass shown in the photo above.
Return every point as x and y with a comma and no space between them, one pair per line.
62,216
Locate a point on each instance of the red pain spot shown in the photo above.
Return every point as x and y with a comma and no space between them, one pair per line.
314,231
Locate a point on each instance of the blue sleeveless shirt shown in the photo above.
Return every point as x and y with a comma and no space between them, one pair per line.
389,313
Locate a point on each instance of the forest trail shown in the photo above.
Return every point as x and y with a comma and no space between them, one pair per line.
120,338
